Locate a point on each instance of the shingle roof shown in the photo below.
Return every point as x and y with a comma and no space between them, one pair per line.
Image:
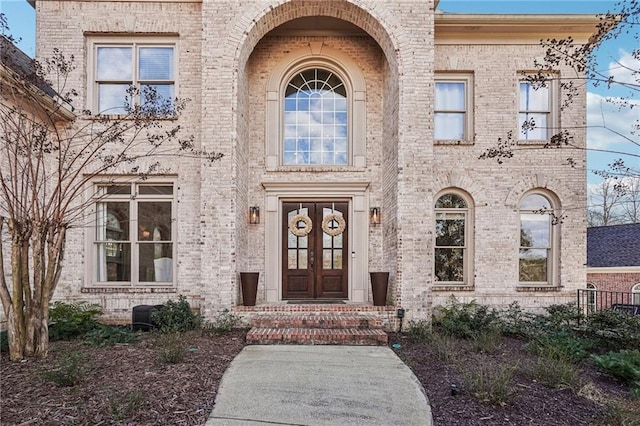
617,245
18,62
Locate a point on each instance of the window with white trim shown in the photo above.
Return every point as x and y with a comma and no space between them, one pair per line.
537,109
453,112
133,241
635,292
124,73
591,297
316,126
538,239
453,238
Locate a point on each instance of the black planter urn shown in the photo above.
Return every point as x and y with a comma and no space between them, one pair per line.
249,283
379,285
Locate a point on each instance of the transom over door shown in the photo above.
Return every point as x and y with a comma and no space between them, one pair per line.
315,247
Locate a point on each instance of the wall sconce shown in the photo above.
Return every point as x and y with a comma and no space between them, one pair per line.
374,215
254,215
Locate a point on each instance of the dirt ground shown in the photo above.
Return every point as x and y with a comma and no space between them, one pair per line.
130,384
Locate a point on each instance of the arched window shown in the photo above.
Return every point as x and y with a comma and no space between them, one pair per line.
315,119
538,245
591,297
453,235
635,293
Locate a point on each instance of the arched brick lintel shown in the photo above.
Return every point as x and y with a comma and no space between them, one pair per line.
279,12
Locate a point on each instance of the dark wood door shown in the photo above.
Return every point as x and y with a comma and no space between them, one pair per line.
315,248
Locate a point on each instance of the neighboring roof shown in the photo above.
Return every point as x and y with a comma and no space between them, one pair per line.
613,246
17,61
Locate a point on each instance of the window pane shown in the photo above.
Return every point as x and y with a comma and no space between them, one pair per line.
450,264
535,202
154,221
534,230
113,262
155,63
533,265
532,126
156,262
112,98
450,96
117,189
112,221
114,63
533,99
450,229
155,189
449,126
449,201
158,95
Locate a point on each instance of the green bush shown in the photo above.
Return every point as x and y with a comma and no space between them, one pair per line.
69,370
68,321
612,330
515,321
561,345
224,323
176,316
488,340
443,347
624,364
464,319
172,350
106,335
419,331
555,370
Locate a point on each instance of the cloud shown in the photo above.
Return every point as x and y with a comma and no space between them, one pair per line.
607,112
626,69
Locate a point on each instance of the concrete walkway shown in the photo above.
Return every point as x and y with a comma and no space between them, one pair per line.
319,385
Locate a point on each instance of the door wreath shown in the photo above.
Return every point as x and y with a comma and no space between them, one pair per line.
300,232
333,231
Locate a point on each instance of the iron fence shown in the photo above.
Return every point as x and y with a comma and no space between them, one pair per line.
592,300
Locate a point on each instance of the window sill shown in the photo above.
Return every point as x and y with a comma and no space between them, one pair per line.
534,142
128,290
537,288
453,287
453,142
127,117
316,169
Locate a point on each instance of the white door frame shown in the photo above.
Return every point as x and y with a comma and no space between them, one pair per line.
356,193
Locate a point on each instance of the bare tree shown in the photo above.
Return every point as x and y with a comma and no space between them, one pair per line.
605,203
631,200
49,153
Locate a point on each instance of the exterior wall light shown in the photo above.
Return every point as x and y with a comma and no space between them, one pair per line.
374,216
254,215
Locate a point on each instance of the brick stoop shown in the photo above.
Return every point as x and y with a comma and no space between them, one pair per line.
316,329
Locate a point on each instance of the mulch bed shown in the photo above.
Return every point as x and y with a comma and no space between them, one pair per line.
130,384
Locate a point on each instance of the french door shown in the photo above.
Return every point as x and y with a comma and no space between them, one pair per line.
315,250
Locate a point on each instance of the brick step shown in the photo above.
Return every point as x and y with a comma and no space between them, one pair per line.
316,336
329,321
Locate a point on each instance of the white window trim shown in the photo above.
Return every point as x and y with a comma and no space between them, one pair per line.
635,294
93,42
467,79
591,293
469,233
553,121
91,280
553,261
316,55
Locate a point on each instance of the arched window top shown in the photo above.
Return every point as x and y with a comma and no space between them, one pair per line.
591,286
535,201
315,81
451,201
635,288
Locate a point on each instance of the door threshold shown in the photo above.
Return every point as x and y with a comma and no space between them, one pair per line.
315,302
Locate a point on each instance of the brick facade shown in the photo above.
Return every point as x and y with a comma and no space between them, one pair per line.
227,51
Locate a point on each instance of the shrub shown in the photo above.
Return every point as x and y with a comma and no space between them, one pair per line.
443,347
624,365
419,331
69,321
490,383
464,319
561,345
555,369
68,370
515,321
123,407
106,335
487,341
172,350
176,316
223,323
613,330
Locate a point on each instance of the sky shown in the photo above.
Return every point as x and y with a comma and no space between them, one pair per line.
21,19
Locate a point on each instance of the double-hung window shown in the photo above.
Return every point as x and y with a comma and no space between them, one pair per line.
537,240
133,241
453,239
125,74
537,111
453,112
